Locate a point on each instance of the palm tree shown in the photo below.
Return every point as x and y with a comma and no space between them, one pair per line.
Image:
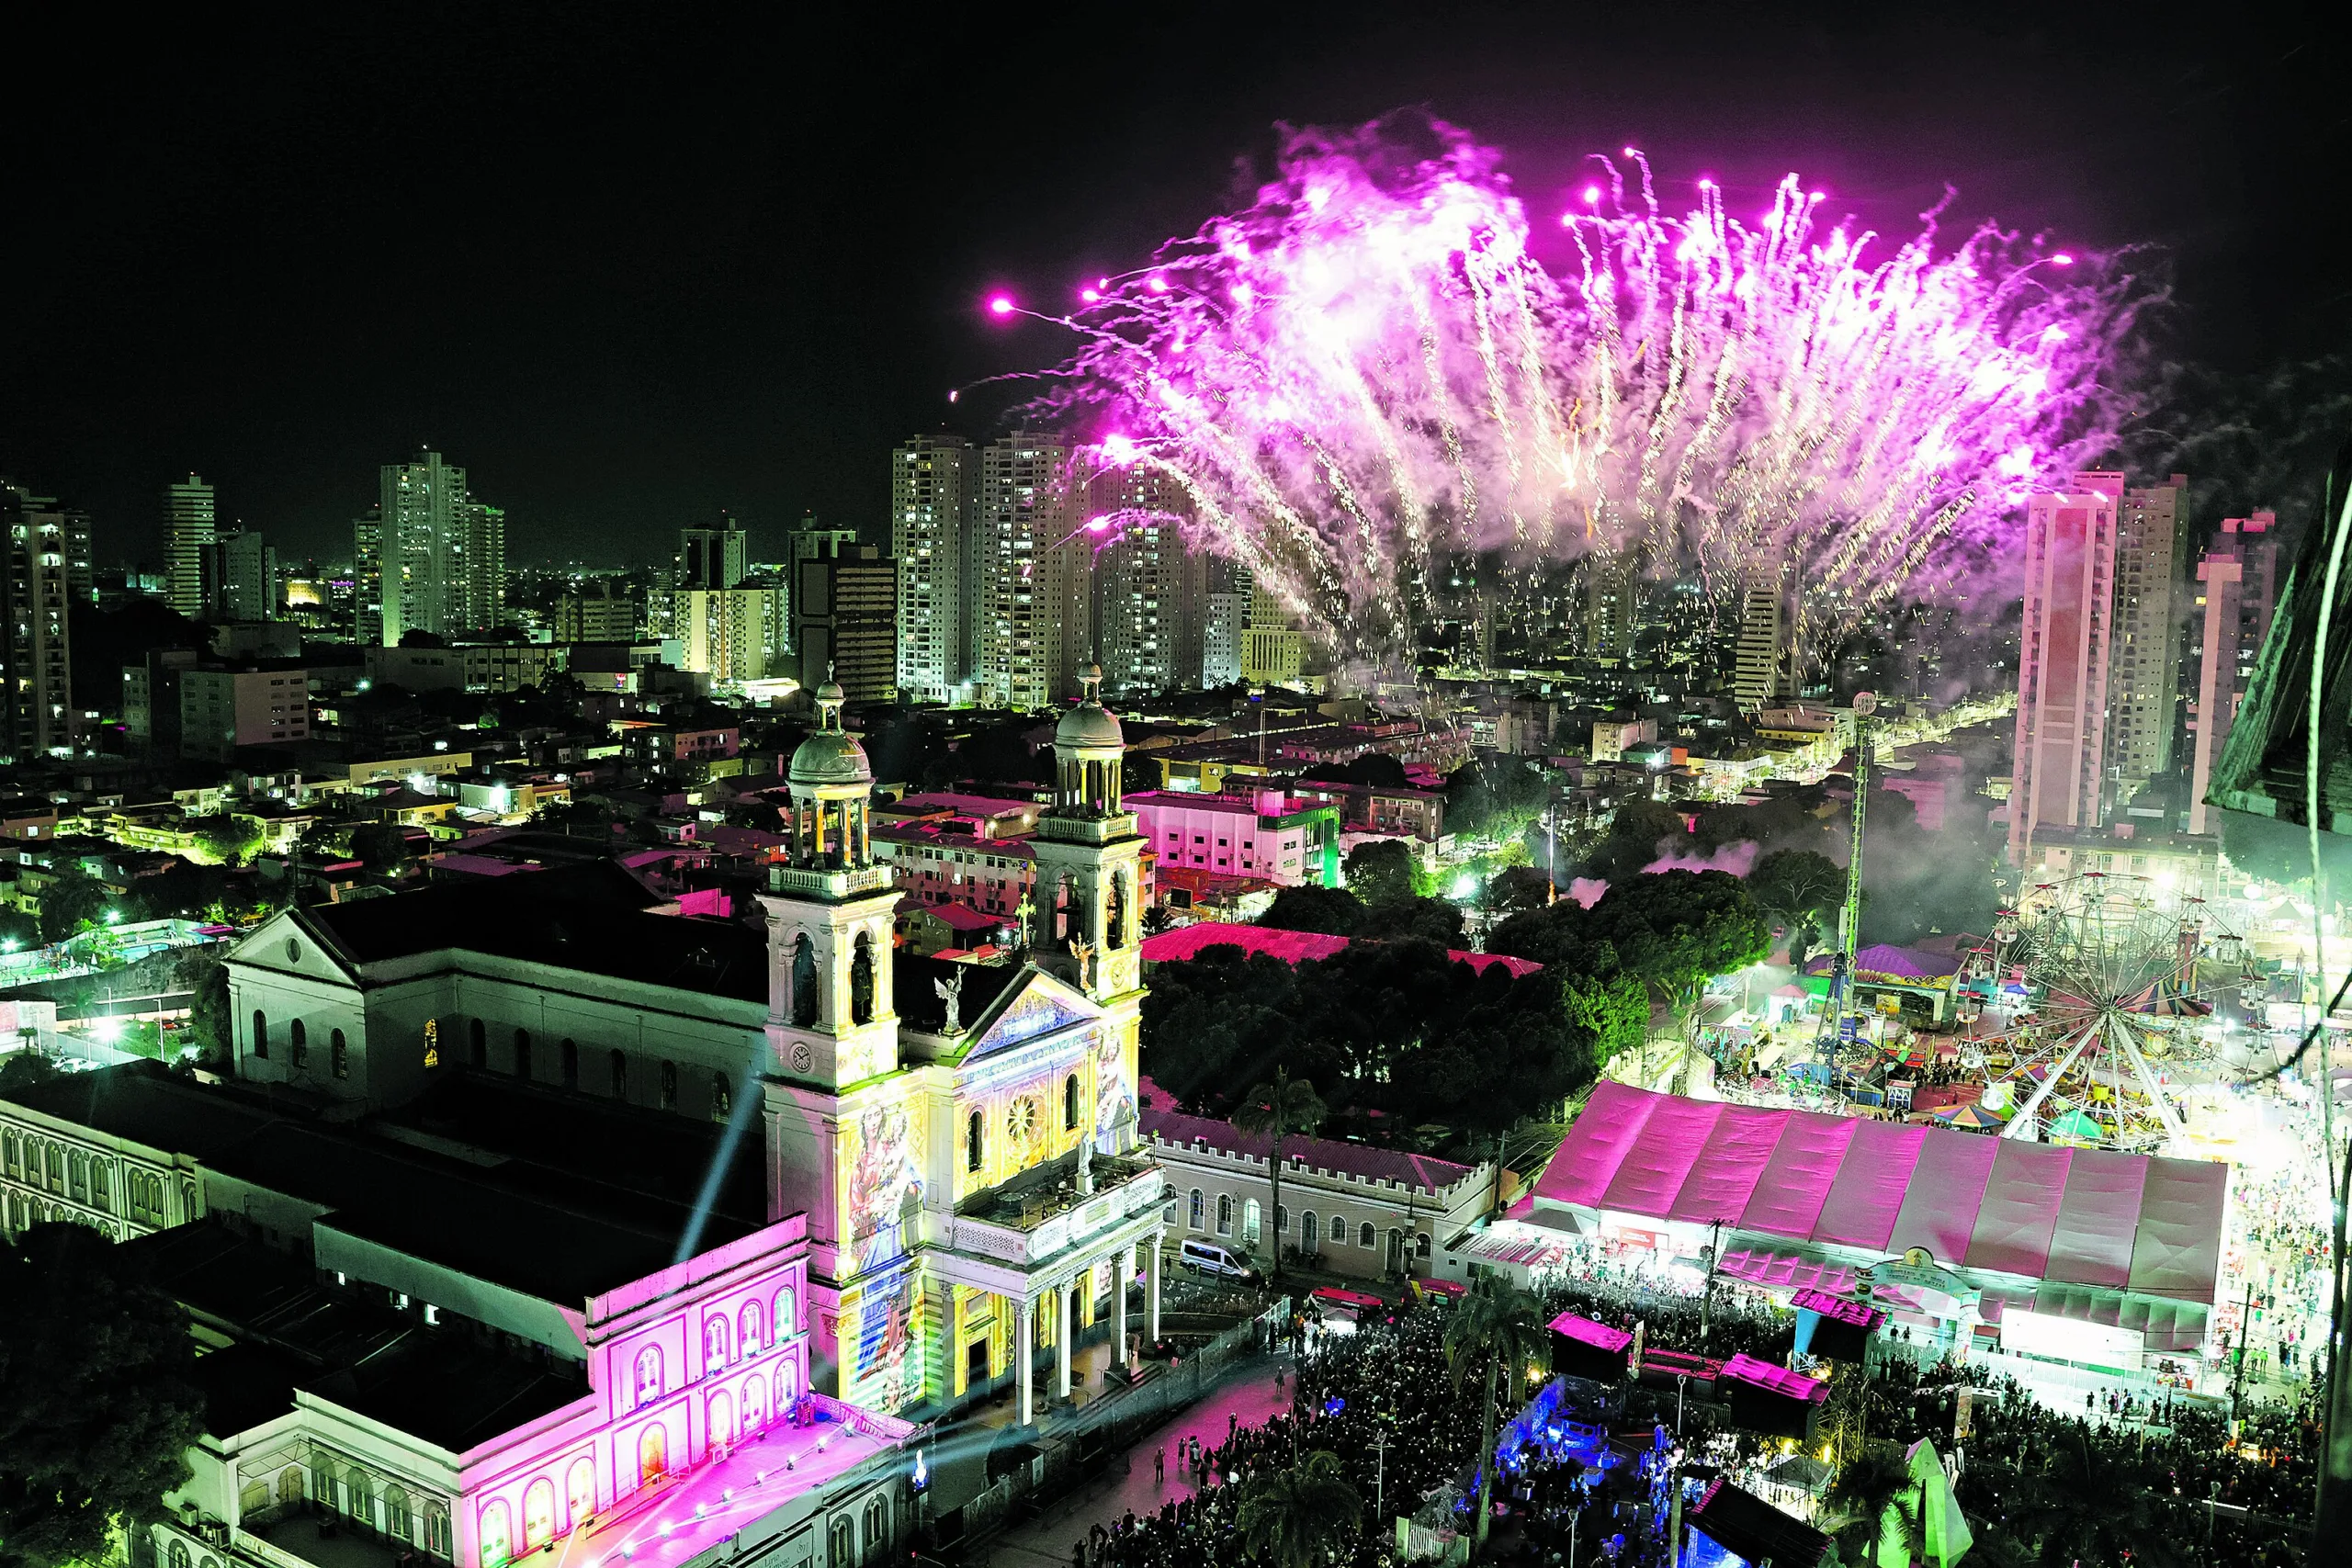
1285,1106
1500,1328
1297,1518
1873,1493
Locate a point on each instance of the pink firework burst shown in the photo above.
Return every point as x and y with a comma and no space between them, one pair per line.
1367,367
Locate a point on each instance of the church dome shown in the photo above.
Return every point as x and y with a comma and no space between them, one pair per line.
1089,725
830,755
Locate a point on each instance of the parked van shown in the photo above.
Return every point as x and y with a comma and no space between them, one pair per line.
1210,1259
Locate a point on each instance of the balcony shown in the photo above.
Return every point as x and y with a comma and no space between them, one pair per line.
1040,1215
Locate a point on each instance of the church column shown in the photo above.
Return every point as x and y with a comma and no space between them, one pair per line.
1122,1268
1024,1329
1151,1290
1062,1294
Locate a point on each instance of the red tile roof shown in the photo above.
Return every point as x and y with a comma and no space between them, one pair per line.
1310,1154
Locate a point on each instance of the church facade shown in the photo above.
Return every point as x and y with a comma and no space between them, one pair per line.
961,1140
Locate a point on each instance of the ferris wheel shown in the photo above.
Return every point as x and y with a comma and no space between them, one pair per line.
2120,977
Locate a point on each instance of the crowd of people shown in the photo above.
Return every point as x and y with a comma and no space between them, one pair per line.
1406,1433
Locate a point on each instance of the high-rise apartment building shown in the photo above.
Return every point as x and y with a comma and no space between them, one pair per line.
443,552
368,578
714,557
603,611
1225,621
934,483
1028,583
1764,671
188,518
35,706
2070,544
845,614
730,634
1149,585
1612,590
244,578
2151,547
2238,593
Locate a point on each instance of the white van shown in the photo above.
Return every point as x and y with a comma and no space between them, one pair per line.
1210,1259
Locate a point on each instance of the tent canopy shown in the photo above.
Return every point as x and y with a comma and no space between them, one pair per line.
2072,1216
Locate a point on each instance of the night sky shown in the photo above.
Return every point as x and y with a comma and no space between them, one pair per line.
630,270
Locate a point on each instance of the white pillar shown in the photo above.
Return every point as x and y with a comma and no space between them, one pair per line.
1151,1290
1064,1294
1024,1329
1122,1268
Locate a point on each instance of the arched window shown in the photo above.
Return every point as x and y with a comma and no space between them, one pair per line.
1421,1243
1396,1249
437,1528
1251,1214
523,1054
176,1555
261,1034
322,1484
804,983
1115,923
538,1514
477,1042
861,979
722,1098
788,1315
973,1135
620,1075
338,1053
752,1338
669,1101
1069,1103
878,1531
568,1058
1339,1230
722,1419
1310,1237
755,1406
649,1376
841,1543
788,1386
497,1534
714,1343
1282,1219
301,1037
290,1486
399,1523
1197,1215
1364,1235
1225,1213
579,1494
652,1454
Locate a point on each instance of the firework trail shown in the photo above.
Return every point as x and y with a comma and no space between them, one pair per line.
1367,369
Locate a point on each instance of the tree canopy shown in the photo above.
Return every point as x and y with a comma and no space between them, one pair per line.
1671,932
1381,870
99,1413
1333,911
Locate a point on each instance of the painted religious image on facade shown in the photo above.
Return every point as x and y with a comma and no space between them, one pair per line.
1114,1099
888,1374
886,1185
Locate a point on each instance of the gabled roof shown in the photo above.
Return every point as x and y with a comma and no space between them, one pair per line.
1034,1005
1421,1171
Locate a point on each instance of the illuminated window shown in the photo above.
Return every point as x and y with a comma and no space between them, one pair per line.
787,1318
261,1034
669,1101
497,1538
301,1038
752,1336
649,1376
1069,1103
714,1342
579,1494
338,1053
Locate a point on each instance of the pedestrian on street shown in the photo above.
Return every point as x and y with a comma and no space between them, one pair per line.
1160,1465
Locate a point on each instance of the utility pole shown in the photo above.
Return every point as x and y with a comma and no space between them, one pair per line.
2244,1348
1849,916
1380,1475
1707,1290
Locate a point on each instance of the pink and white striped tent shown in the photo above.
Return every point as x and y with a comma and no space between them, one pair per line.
1849,1188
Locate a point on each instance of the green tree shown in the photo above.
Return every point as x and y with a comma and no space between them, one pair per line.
71,902
2089,1504
1873,1501
1276,1109
1301,1516
1495,1332
228,837
1413,920
381,846
1381,870
1333,911
1677,930
23,1069
1801,889
99,1413
210,1028
1516,889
